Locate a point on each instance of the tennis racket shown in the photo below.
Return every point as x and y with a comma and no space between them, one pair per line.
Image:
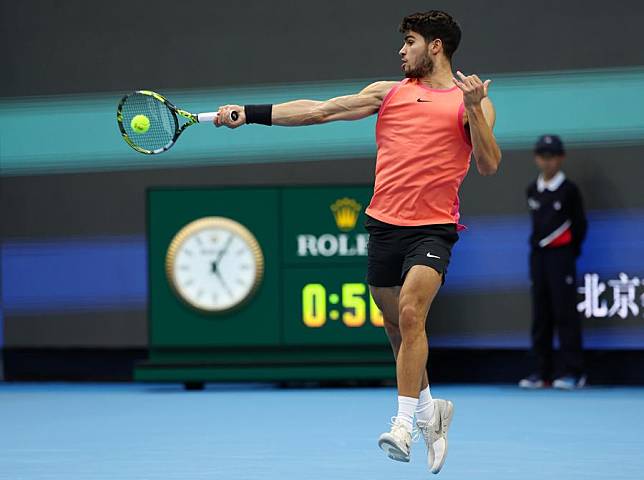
165,126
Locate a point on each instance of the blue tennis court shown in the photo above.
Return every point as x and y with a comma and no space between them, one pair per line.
139,432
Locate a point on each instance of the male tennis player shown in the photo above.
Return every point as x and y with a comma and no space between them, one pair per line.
428,126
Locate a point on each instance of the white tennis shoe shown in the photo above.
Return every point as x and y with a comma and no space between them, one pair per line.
397,442
435,433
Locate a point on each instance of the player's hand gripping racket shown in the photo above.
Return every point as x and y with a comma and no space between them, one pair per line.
149,123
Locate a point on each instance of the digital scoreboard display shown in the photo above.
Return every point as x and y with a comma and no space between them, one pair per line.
351,301
331,310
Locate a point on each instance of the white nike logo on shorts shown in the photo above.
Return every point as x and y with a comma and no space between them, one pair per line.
432,256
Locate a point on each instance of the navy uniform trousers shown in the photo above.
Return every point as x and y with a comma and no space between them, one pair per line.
554,303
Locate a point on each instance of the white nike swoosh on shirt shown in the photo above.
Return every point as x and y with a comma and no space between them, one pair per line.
432,256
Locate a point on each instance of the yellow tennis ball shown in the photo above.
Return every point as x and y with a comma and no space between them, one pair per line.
140,124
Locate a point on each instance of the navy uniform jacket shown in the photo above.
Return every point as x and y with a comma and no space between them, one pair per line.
558,217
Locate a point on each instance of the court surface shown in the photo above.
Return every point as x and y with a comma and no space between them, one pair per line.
142,431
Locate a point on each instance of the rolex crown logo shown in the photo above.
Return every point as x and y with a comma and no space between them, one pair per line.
346,212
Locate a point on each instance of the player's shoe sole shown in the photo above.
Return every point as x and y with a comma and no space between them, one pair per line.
389,445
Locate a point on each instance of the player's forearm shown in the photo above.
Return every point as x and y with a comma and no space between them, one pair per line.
486,151
298,112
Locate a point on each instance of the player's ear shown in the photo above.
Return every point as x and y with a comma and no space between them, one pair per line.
435,46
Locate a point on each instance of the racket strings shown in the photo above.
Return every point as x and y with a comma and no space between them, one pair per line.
163,123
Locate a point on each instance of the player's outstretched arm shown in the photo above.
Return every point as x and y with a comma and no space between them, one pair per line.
480,119
308,112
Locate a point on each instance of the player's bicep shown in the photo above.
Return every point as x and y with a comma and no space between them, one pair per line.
357,106
349,107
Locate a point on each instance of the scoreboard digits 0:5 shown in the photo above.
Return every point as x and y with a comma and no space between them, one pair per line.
350,305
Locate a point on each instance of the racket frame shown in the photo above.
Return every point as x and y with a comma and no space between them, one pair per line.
178,129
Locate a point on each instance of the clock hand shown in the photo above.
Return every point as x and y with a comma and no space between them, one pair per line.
215,264
221,279
225,249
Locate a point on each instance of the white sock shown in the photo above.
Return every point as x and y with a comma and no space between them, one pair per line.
406,409
425,408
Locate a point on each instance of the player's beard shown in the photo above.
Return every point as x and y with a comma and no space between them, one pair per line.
424,68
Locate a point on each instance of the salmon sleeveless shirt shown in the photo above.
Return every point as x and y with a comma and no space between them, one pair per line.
423,156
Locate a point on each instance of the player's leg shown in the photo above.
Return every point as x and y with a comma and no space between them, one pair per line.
416,295
410,342
397,442
386,299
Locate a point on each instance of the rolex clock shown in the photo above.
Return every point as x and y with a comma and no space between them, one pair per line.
214,264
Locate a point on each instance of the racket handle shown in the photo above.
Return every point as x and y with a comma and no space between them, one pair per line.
208,117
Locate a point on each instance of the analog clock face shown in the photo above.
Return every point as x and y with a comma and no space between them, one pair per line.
214,264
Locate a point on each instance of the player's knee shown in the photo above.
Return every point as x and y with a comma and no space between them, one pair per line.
410,319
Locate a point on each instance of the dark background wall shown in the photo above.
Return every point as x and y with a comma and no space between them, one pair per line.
50,48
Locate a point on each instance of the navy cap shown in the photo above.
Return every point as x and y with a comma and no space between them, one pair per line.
549,144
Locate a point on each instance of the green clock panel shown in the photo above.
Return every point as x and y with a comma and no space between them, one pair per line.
175,324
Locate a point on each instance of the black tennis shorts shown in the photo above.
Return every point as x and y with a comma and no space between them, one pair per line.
393,250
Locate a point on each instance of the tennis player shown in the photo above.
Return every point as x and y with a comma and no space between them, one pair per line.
429,124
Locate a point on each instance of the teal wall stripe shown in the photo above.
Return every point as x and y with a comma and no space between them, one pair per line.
79,133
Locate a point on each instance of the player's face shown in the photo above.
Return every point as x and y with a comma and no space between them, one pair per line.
549,165
416,60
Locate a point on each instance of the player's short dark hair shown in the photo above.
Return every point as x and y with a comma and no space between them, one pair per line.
432,25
